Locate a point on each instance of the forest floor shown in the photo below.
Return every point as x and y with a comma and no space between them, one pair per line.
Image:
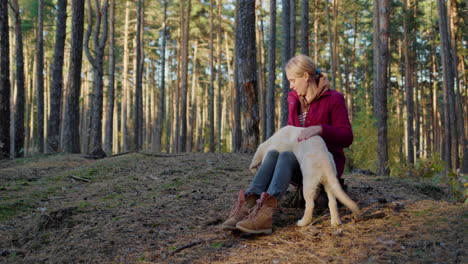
141,208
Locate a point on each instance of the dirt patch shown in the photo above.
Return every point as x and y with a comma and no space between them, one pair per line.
140,208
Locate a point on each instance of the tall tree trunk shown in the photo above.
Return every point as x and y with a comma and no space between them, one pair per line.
316,30
97,63
408,81
125,87
4,81
447,84
219,3
53,129
305,28
71,135
40,76
184,78
292,25
381,86
270,113
375,68
330,41
138,110
211,87
161,108
109,126
20,86
246,65
286,55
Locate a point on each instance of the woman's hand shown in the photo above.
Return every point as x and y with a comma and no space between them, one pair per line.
309,132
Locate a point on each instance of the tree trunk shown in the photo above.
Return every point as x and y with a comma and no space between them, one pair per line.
305,28
447,84
246,65
53,129
292,25
330,41
381,86
20,86
138,110
211,87
109,126
4,82
270,113
236,109
184,78
71,133
220,100
408,82
161,108
286,55
40,76
125,87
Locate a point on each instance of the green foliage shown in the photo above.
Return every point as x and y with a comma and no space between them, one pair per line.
422,169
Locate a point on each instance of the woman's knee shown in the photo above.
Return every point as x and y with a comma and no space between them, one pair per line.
272,154
287,156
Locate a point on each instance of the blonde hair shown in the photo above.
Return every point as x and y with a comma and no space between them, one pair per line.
300,64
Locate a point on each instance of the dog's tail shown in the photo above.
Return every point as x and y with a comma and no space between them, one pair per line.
335,187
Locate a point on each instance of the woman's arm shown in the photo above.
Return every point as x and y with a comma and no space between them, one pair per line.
339,134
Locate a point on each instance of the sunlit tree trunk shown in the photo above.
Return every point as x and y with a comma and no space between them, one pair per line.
408,82
219,118
71,136
161,108
110,125
125,82
247,73
138,104
380,87
184,78
40,75
211,87
449,125
20,86
330,41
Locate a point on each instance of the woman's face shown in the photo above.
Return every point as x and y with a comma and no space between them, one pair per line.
298,84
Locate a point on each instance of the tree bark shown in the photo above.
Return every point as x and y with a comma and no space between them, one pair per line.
447,84
125,102
292,26
305,28
270,113
246,65
40,76
220,100
20,86
381,87
138,110
161,108
53,129
71,133
109,126
408,82
211,87
286,55
4,81
184,78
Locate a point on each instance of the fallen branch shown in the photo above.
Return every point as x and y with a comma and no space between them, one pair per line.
160,155
122,153
79,178
194,243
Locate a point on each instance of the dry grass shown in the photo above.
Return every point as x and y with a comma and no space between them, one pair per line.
157,209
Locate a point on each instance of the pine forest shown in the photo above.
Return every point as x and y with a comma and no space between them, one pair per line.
105,77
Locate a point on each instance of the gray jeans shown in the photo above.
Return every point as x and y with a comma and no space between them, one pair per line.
275,173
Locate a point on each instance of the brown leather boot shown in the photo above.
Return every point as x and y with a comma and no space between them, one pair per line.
259,221
240,211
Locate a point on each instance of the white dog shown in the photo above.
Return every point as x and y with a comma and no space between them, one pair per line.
317,166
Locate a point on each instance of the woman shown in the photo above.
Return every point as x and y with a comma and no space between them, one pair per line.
320,111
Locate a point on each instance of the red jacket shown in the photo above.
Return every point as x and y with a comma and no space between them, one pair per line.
330,112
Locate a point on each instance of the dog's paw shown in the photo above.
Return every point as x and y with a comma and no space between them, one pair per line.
335,222
303,222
